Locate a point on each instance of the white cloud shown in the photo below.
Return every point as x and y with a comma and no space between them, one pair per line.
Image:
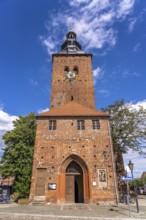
33,82
48,42
104,92
140,103
78,2
6,121
92,21
97,73
138,161
43,110
132,24
137,47
125,73
6,124
125,7
96,5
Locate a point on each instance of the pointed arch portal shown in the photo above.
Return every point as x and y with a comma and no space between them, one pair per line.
73,180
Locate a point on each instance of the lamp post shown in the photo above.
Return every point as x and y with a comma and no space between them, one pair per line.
131,166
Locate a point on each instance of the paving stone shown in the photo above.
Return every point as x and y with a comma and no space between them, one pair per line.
71,212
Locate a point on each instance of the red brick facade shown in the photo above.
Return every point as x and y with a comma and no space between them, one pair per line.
73,158
80,89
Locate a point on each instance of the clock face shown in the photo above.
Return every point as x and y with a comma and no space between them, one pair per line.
71,75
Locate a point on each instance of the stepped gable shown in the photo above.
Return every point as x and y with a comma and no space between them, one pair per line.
73,109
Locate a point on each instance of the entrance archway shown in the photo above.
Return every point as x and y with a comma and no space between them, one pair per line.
73,180
74,183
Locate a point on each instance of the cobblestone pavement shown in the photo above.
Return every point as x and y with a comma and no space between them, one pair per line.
13,211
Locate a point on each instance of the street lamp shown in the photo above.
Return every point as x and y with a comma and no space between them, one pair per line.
131,166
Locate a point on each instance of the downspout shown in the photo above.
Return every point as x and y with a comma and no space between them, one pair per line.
114,169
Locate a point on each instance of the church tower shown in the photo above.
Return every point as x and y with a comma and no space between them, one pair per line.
72,75
73,156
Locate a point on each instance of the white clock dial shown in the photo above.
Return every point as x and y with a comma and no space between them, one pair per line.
71,75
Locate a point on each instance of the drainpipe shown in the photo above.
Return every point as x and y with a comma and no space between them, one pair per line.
114,169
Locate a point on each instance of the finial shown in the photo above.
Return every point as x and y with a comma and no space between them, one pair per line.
71,26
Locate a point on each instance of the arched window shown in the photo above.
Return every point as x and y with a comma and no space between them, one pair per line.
74,167
76,70
71,36
66,69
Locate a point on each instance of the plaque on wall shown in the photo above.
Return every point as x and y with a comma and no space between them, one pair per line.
52,186
94,183
102,178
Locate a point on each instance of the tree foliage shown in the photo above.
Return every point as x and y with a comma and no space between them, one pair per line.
128,129
18,153
128,126
138,182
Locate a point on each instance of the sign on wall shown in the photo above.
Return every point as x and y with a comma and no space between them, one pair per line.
52,186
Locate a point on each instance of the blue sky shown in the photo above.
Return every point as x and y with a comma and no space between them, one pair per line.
30,31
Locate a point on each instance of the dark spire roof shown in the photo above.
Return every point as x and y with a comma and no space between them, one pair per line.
71,45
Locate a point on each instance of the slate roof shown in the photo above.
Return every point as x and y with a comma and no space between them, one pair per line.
72,109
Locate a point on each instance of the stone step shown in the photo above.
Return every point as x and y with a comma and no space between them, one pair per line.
34,202
38,200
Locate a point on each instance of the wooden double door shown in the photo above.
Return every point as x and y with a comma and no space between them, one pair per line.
74,184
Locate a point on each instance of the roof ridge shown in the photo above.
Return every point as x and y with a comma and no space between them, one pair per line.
73,108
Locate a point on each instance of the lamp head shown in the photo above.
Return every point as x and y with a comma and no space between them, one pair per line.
131,165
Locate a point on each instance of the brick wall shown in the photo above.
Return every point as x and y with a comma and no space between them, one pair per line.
80,88
53,147
91,149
